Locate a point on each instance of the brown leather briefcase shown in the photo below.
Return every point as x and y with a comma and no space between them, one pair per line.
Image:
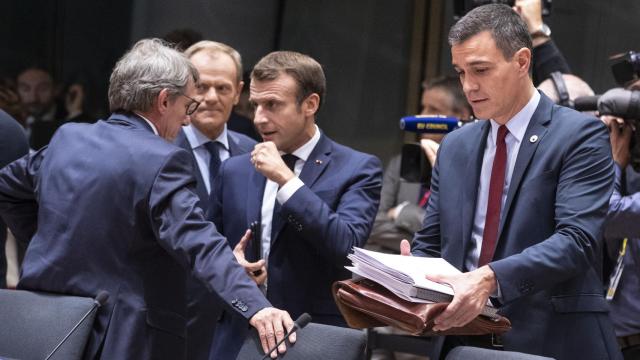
365,304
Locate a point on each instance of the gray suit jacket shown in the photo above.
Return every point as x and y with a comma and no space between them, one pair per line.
387,232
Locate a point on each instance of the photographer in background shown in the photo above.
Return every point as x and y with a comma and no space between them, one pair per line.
42,114
546,57
402,202
622,228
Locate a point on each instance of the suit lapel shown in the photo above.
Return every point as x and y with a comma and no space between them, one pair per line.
538,128
317,162
470,190
314,166
234,149
255,193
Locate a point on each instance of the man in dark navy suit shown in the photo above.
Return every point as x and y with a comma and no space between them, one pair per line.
112,206
13,145
519,202
210,143
314,199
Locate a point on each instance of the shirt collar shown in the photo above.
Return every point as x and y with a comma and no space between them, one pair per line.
305,150
153,127
196,138
517,125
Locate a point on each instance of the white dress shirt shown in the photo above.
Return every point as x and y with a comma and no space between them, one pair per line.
517,127
271,192
153,127
197,140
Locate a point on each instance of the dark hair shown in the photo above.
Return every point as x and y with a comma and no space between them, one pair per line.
35,65
450,84
305,70
506,27
181,39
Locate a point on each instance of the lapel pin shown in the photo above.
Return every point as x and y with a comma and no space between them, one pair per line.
533,138
319,162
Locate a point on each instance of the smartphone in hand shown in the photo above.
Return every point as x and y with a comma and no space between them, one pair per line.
256,244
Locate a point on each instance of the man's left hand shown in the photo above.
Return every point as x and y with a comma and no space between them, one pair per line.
267,160
471,292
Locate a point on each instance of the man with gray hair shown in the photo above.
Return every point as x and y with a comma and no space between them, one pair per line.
111,207
523,200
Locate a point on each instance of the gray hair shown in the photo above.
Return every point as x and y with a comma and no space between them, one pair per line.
506,27
145,70
213,48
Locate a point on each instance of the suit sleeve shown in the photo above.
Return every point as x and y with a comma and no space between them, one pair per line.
426,241
182,230
624,212
18,198
335,233
582,197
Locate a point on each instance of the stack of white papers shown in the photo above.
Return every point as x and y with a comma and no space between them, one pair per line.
405,275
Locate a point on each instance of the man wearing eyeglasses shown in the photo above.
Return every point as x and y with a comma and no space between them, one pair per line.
210,143
111,207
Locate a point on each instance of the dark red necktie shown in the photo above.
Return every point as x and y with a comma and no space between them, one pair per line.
494,205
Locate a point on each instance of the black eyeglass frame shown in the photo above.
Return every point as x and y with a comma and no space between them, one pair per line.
192,106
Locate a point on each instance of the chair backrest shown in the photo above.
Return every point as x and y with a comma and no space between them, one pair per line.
474,353
315,341
32,324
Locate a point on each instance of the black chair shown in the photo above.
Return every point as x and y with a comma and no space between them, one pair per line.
315,341
474,353
395,342
44,326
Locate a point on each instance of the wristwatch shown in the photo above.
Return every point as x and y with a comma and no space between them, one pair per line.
544,30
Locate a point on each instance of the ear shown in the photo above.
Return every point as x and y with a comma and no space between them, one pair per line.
311,104
236,98
162,103
522,58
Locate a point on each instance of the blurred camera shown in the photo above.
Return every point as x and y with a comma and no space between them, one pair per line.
461,7
414,165
625,67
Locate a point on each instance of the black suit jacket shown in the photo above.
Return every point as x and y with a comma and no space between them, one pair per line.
13,145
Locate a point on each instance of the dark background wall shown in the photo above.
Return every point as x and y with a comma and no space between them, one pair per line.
367,47
363,46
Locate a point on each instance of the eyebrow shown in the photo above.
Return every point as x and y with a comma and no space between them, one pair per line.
476,62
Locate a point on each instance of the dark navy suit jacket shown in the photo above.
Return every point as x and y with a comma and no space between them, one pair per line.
111,206
203,307
333,212
549,252
13,145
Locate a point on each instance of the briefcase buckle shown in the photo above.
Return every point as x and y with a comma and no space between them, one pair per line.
496,341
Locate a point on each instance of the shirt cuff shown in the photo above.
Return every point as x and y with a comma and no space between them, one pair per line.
287,190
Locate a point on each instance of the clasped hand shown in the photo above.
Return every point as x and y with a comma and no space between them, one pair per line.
267,160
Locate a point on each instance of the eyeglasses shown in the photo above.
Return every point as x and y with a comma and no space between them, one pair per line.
191,106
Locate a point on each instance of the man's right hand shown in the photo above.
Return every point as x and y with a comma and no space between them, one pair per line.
250,267
531,13
620,133
430,149
271,324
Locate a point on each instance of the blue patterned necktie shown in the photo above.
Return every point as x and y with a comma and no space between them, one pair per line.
214,160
